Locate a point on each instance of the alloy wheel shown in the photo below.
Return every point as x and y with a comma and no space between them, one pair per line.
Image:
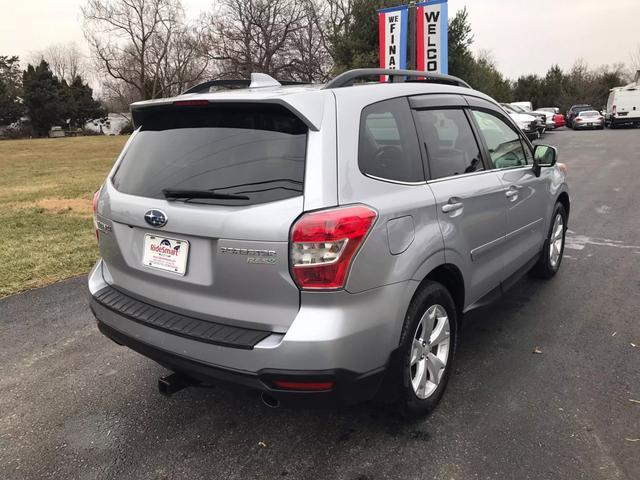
556,241
430,351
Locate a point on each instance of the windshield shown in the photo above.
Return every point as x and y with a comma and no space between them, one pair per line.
509,108
518,109
245,153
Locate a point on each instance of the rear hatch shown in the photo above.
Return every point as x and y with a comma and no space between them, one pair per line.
227,179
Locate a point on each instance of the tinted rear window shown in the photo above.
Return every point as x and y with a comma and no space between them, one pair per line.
257,151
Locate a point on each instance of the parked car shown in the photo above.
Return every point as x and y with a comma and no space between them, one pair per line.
588,119
623,106
574,110
532,126
526,106
545,119
556,116
320,244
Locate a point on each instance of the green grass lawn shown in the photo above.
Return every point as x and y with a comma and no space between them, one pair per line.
46,187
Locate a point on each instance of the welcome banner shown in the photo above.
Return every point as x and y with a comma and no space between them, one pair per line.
393,31
431,36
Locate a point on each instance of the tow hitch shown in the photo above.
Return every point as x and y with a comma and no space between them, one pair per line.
173,383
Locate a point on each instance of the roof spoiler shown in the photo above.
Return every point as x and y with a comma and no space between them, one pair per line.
395,76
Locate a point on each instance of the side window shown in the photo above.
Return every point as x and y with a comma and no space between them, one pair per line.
451,146
505,147
528,152
388,145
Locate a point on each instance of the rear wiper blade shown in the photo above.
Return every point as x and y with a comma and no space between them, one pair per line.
175,193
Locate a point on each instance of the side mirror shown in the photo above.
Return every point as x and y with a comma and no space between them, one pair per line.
544,156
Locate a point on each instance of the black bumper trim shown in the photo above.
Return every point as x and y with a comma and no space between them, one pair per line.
350,387
177,324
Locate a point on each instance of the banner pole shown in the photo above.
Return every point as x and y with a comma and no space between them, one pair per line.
411,37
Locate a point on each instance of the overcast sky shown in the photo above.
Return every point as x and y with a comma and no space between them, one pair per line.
523,36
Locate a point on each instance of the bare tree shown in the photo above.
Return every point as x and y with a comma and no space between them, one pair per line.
65,60
312,59
278,37
144,46
634,65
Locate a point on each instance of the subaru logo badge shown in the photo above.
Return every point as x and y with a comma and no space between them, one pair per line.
156,218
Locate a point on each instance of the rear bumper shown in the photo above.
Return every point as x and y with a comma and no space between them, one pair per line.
625,120
349,387
582,125
340,337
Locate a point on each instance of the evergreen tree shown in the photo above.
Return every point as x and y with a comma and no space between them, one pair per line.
45,98
11,108
355,44
529,88
460,39
82,107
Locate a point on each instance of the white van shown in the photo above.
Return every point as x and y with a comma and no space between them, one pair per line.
623,106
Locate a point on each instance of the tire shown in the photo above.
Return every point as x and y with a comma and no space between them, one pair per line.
431,308
553,249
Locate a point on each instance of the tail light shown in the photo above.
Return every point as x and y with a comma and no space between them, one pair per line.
578,119
324,243
94,205
613,110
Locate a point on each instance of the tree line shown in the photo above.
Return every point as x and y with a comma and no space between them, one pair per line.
144,49
46,100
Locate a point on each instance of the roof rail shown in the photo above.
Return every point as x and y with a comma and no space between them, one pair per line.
255,82
346,79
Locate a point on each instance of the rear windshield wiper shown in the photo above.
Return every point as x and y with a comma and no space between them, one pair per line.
171,193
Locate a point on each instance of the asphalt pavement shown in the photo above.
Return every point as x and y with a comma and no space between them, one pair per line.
73,405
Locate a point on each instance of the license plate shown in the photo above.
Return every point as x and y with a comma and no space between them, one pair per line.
163,253
590,124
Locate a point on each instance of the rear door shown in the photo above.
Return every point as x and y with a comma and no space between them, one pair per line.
524,193
628,104
225,258
470,204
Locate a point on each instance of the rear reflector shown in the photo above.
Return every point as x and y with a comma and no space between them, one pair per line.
324,243
191,103
304,386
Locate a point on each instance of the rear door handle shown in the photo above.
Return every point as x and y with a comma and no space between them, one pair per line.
451,207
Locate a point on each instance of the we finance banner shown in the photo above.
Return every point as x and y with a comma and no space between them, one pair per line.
393,30
431,33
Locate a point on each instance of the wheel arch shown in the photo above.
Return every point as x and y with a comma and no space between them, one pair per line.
450,276
563,198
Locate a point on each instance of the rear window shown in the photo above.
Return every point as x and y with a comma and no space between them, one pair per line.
589,113
252,151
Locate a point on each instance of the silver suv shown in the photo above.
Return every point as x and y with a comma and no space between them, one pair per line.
320,243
